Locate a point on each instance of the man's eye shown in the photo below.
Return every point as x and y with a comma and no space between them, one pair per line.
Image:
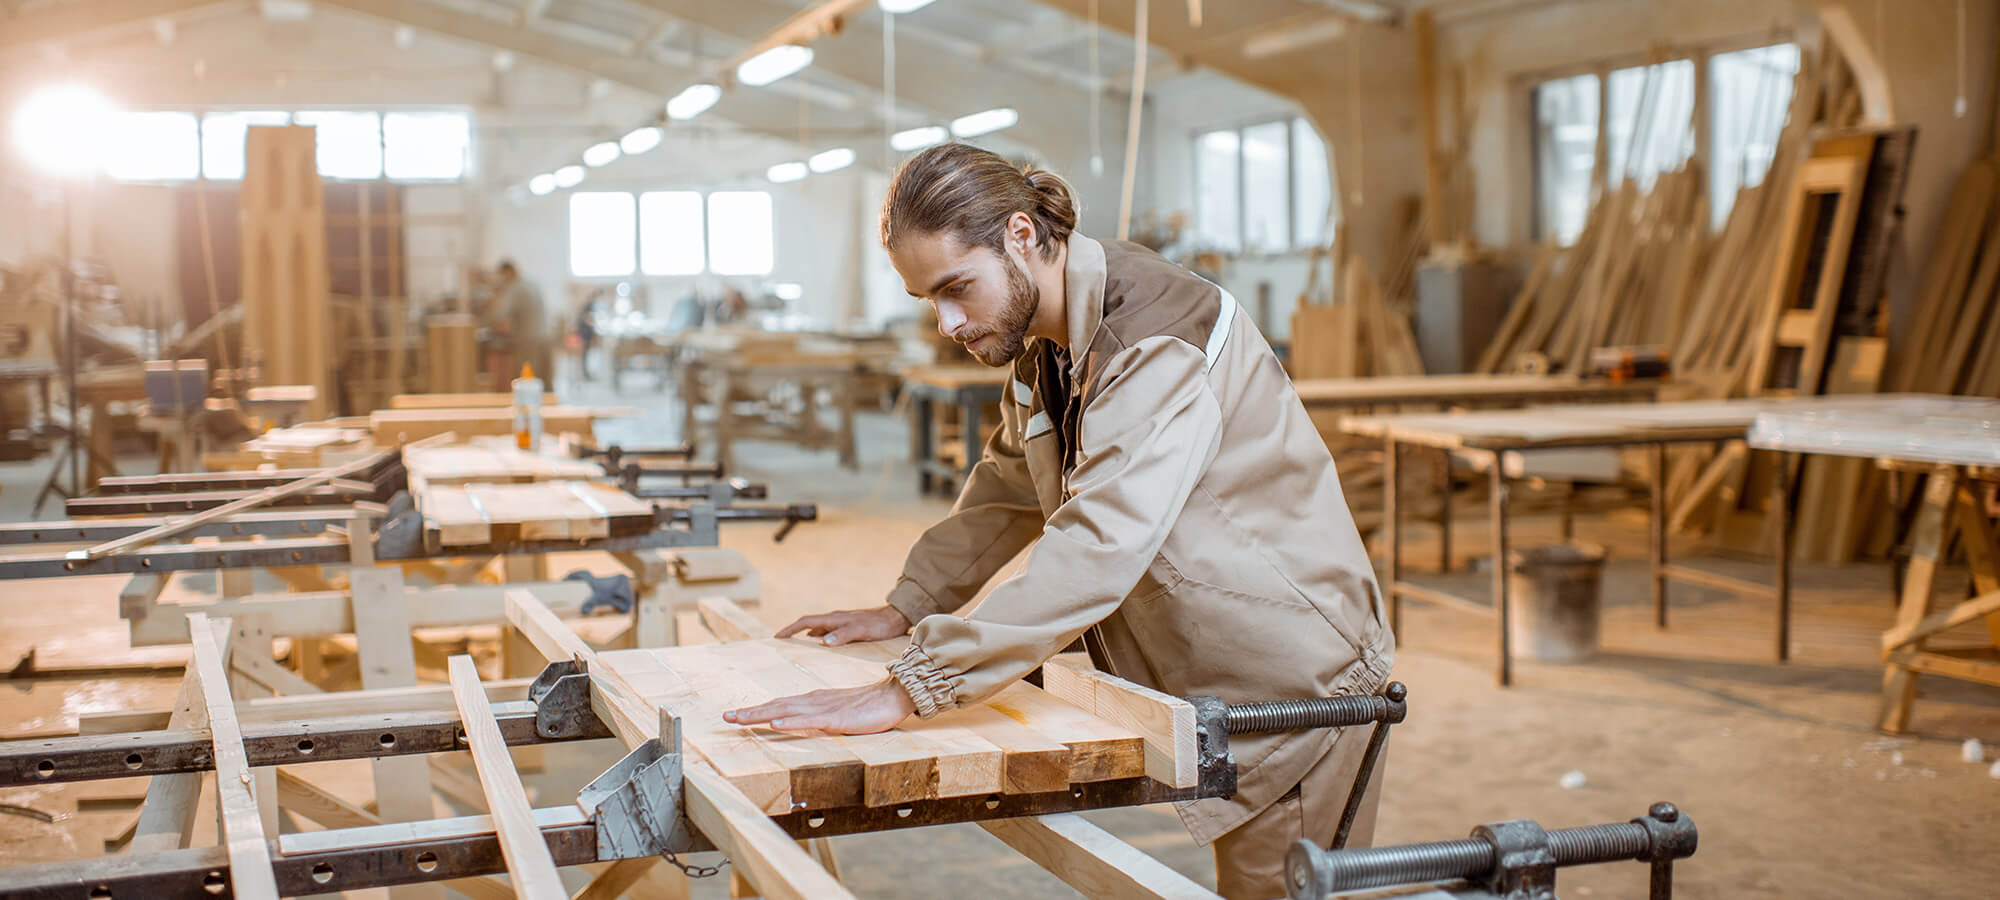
956,289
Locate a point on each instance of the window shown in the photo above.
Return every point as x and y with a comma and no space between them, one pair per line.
1651,110
1565,152
1313,212
154,146
739,233
349,143
222,137
603,234
425,145
1263,188
1218,202
1750,92
1650,130
1267,175
670,233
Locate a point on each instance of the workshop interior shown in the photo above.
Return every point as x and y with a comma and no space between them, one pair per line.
997,449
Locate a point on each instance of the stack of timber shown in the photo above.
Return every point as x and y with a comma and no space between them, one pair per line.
1645,270
482,514
1950,346
491,462
1357,331
1024,740
287,319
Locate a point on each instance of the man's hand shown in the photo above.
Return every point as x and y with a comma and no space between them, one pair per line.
867,709
850,625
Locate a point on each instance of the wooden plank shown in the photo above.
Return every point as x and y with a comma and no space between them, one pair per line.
1973,609
737,826
1166,723
919,759
806,772
322,614
1093,860
250,873
529,865
486,400
728,621
399,426
167,816
267,495
1975,670
612,883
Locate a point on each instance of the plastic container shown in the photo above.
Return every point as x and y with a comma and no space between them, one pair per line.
528,410
1555,596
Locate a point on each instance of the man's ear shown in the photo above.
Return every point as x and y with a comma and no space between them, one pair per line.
1020,234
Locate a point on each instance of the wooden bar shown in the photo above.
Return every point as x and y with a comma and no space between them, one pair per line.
529,865
1092,860
250,874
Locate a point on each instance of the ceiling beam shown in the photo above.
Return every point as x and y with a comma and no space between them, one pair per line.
67,21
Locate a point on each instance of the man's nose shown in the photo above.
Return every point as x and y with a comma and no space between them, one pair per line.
950,319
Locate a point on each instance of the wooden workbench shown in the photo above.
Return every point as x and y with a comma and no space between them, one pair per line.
1496,441
1954,444
1465,390
970,387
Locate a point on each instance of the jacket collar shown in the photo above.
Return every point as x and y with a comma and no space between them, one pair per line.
1083,292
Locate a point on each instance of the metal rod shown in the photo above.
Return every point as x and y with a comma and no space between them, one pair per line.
1358,793
1392,508
1504,666
1657,525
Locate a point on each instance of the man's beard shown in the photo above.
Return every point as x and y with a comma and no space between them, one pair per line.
1010,330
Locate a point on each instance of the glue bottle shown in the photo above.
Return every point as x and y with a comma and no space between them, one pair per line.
528,410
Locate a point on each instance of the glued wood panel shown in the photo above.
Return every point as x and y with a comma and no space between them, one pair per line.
1021,741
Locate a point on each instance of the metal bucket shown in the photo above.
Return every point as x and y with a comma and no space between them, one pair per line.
1555,601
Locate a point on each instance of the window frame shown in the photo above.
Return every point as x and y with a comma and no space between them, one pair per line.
1291,244
382,114
1524,84
707,236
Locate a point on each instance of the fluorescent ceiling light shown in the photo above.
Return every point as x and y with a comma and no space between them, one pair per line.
639,140
404,36
569,176
788,290
503,60
773,64
985,122
917,137
832,160
692,101
903,6
541,184
600,154
786,172
64,129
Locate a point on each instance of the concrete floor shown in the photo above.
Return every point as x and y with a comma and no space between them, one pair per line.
1795,794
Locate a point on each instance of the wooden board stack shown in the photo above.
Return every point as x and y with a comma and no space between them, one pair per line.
287,322
481,514
489,464
1024,740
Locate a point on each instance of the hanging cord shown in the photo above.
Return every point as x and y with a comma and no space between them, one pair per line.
1096,94
888,83
1140,51
1958,103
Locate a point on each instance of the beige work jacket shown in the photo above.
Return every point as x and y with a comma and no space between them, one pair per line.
1185,518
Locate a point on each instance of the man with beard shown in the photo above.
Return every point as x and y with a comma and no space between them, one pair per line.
1185,518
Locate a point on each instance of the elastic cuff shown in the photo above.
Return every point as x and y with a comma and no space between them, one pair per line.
910,599
927,685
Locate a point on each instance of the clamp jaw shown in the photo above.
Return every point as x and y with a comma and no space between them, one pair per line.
639,805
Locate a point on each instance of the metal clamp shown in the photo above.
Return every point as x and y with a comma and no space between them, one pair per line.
1390,708
561,694
1524,868
636,805
1502,861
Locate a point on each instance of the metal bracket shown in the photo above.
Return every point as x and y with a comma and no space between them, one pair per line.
561,694
637,806
1211,740
1524,865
